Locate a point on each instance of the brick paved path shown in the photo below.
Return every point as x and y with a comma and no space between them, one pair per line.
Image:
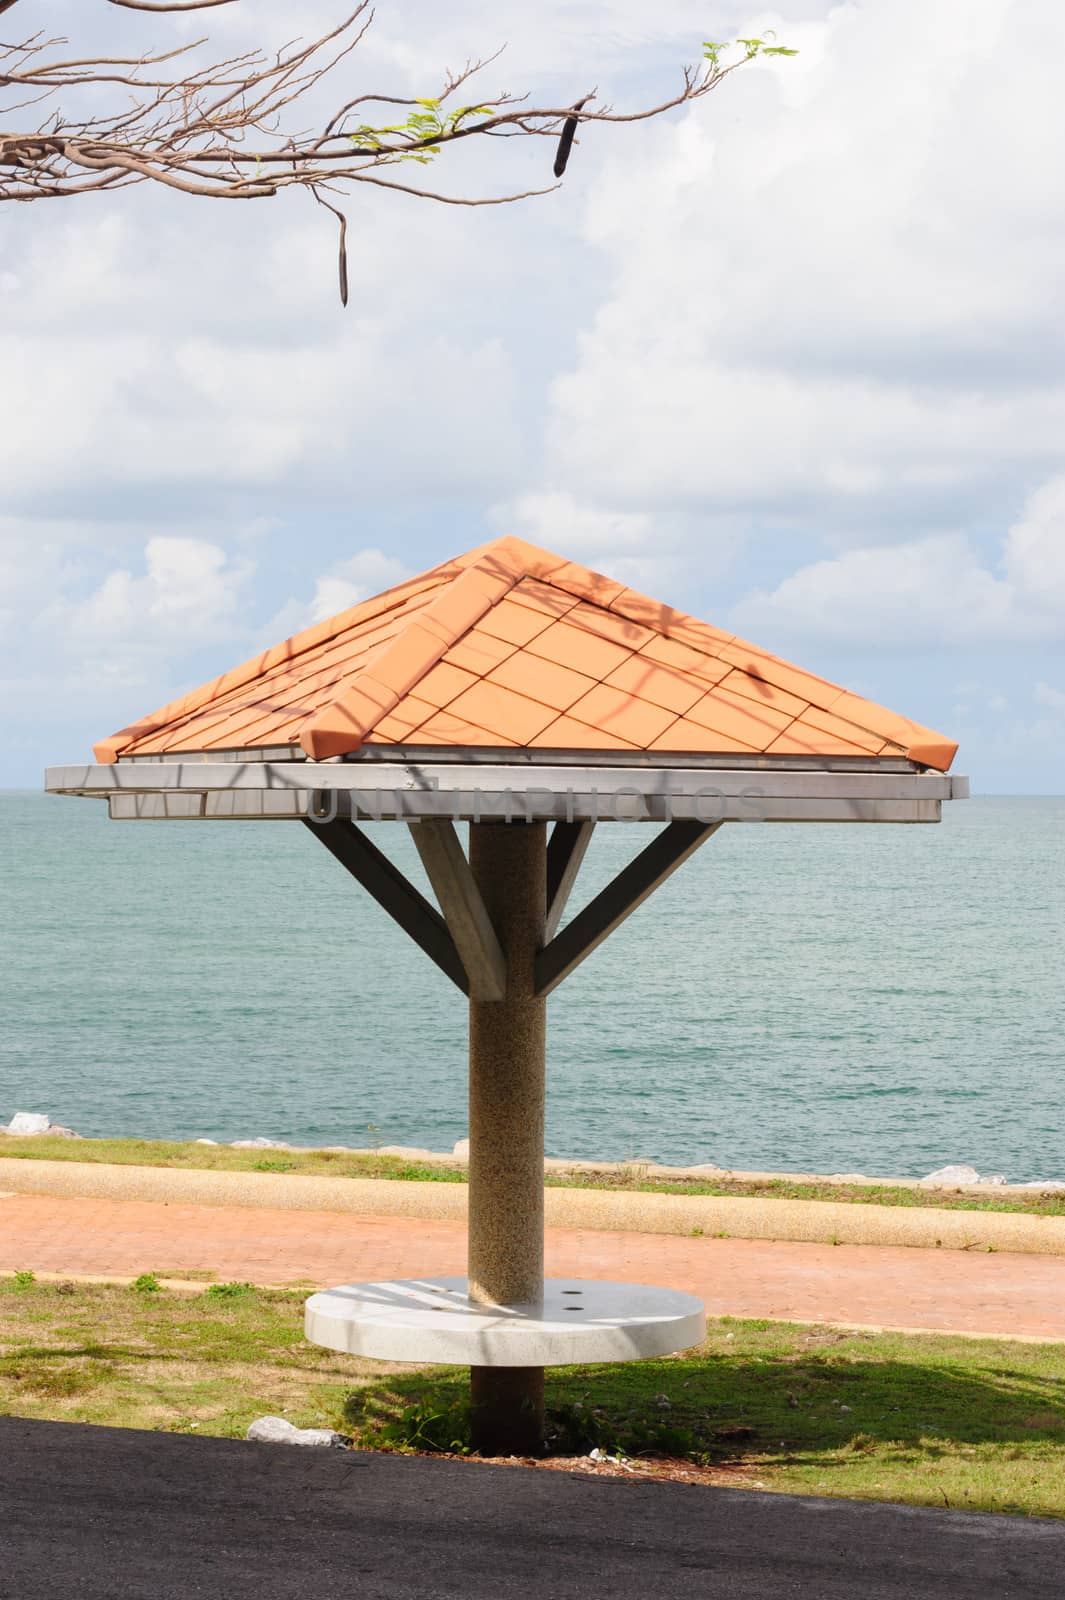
867,1284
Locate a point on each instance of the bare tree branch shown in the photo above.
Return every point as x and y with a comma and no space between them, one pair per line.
168,5
219,131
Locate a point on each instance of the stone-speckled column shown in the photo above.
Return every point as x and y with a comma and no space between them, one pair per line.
507,1061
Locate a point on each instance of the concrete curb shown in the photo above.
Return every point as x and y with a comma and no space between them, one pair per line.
809,1221
735,1217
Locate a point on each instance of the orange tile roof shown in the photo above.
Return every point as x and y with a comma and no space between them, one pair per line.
509,646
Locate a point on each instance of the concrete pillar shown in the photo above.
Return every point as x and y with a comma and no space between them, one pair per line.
507,1062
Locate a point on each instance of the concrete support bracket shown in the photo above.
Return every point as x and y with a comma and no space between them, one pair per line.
462,903
565,852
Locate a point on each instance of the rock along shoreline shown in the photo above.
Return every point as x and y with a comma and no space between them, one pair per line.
956,1176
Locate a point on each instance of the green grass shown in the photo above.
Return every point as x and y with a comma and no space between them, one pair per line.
634,1178
932,1420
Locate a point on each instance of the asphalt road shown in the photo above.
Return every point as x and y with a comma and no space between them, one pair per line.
106,1514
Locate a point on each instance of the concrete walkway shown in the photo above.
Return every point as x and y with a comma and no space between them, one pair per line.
868,1285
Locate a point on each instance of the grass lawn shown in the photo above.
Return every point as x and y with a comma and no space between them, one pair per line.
369,1164
931,1420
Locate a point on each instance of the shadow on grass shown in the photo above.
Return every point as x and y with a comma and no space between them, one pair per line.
721,1409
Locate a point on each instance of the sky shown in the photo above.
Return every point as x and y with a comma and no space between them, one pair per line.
791,359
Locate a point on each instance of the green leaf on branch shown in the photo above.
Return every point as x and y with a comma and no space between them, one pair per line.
713,49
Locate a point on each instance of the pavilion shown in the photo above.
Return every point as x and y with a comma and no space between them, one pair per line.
511,688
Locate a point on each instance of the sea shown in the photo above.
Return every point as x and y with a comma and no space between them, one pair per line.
832,998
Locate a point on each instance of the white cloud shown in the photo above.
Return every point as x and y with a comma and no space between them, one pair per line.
1046,695
556,519
649,550
935,590
186,596
366,573
139,412
1034,555
835,286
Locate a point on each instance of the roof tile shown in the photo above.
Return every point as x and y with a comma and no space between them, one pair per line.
398,726
404,659
442,683
541,680
586,585
568,734
738,718
461,605
501,711
936,751
762,692
617,711
608,626
803,740
665,620
578,648
671,653
662,686
517,624
781,674
444,727
513,558
694,739
478,652
542,597
343,724
827,722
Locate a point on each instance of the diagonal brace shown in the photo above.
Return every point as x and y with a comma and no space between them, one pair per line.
465,913
632,886
384,881
565,852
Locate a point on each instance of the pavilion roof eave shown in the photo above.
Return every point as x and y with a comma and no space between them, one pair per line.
511,787
540,757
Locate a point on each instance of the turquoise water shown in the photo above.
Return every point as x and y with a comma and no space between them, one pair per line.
877,999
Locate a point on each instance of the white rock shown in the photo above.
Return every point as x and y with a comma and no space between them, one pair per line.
994,1177
945,1177
56,1132
276,1430
461,1150
205,1141
598,1455
1048,1185
27,1122
259,1144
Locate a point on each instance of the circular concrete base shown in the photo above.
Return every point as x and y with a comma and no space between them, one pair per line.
580,1320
